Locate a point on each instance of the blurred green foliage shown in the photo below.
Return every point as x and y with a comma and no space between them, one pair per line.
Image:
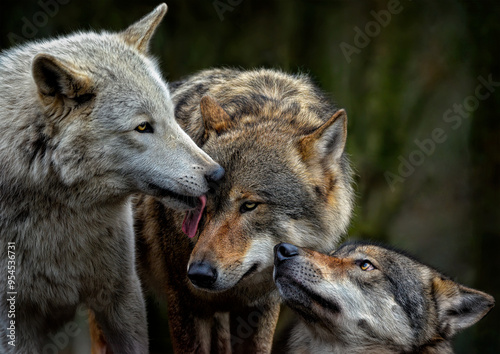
397,85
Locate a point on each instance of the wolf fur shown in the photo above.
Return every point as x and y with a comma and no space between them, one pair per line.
366,298
281,143
87,122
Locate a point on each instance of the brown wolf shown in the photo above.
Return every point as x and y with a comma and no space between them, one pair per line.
365,298
87,122
281,143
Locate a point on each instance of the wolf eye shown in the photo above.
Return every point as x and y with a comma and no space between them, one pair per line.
366,266
247,206
144,127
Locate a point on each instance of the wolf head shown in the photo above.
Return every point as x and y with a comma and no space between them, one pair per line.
106,120
371,296
282,182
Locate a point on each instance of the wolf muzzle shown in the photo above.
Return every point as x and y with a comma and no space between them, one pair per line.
202,274
216,174
284,251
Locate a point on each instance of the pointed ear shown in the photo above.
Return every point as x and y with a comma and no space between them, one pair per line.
328,141
214,116
140,33
53,77
459,307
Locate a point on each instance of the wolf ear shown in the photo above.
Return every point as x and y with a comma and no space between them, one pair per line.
214,116
459,307
54,77
328,141
140,33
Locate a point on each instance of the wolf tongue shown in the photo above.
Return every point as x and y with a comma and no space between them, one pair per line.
193,217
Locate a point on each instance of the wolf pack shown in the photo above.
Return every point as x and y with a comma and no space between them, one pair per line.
225,194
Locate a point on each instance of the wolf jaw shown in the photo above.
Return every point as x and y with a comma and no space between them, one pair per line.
193,217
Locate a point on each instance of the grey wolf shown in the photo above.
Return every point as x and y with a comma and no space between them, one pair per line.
281,143
87,122
366,298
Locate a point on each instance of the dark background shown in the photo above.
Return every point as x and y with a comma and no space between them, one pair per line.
411,70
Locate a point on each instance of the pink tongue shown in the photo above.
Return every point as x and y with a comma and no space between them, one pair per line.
192,218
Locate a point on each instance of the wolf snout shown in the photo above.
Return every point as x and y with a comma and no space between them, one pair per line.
284,251
202,274
215,174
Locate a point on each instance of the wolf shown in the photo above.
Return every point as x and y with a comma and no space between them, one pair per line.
281,143
367,298
87,122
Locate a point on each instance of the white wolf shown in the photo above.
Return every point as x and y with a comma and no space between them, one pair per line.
86,122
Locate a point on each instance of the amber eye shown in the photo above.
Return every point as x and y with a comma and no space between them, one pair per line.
247,206
144,127
366,266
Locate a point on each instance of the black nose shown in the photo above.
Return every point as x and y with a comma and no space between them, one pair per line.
283,251
202,274
215,175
